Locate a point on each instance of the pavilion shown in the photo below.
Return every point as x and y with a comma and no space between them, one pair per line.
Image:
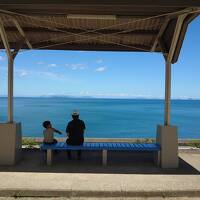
95,25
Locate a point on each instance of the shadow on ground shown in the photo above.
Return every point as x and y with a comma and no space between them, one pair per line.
34,160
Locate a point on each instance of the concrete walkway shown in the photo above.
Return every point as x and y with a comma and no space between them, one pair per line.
94,198
125,176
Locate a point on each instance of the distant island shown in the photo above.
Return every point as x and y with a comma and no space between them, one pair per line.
100,97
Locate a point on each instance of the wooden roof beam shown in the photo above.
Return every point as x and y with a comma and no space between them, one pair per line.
163,48
5,41
137,3
166,22
22,33
84,47
176,36
182,35
83,32
162,30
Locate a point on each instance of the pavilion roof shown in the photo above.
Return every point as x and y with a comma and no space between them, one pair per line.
100,25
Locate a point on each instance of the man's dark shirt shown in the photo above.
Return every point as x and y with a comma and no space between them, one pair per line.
75,130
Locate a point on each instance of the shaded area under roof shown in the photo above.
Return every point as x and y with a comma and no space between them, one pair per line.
106,25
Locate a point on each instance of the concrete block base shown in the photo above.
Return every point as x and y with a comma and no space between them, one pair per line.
167,137
10,143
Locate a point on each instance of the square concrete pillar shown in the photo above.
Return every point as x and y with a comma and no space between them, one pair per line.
167,137
10,143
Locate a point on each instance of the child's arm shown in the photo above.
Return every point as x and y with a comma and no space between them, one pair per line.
57,131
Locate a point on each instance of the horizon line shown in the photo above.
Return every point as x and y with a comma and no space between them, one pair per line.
102,97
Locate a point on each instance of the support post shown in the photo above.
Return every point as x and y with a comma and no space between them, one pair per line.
10,90
167,93
167,135
10,71
11,139
170,56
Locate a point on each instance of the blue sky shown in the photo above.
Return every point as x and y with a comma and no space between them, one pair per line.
105,74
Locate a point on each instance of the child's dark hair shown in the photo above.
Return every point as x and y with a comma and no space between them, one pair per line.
46,123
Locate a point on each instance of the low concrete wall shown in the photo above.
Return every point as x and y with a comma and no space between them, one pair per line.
167,137
10,143
40,139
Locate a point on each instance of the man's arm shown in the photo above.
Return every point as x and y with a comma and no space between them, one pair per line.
67,129
83,124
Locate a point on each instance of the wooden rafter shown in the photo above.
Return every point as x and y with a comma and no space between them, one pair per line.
162,29
22,33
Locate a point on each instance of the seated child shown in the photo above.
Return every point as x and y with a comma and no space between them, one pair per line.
49,133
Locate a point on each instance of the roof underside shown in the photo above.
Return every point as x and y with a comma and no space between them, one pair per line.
100,25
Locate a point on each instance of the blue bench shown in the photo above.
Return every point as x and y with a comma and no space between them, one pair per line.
104,147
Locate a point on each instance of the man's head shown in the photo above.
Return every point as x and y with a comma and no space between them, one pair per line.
75,115
46,124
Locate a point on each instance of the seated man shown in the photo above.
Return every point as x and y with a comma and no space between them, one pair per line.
75,132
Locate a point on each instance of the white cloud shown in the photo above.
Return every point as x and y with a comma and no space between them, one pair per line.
121,95
52,65
100,69
45,74
2,58
51,75
99,61
22,73
40,63
84,93
77,66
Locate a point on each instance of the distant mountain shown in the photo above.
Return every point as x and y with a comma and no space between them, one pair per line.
64,96
97,97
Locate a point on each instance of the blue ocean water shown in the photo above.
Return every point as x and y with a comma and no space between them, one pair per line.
107,118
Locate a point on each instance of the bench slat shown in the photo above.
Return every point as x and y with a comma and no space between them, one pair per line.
104,146
129,146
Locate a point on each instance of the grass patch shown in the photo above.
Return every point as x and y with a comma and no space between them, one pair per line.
29,142
145,140
191,143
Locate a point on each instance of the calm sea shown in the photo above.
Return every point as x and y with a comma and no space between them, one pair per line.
107,118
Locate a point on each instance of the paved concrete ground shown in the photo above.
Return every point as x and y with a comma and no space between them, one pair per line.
132,198
192,158
127,175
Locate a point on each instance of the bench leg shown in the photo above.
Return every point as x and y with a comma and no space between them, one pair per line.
157,158
49,156
104,157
